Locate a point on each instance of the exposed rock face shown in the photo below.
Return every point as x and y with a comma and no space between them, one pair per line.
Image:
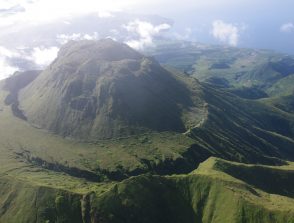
104,89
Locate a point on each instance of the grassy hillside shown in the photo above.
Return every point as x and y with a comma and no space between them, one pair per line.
207,194
62,180
23,202
284,103
235,126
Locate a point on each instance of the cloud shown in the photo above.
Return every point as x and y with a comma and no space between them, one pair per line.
43,11
43,56
4,52
64,38
6,68
24,59
145,32
105,14
185,35
67,22
11,10
226,32
287,27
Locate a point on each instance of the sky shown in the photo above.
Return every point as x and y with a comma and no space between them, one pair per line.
267,24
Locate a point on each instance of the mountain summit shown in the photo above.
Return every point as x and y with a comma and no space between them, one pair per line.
104,89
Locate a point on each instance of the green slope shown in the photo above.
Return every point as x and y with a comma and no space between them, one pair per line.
206,195
23,202
198,197
284,103
55,175
48,175
248,129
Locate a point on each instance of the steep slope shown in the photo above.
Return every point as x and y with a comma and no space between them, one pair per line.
28,203
13,85
284,103
209,194
206,195
98,90
245,129
240,129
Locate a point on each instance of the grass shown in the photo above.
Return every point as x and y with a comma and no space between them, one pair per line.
282,87
205,195
152,176
127,152
247,131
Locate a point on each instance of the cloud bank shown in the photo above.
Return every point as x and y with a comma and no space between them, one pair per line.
5,67
145,32
225,32
43,56
185,35
18,59
64,38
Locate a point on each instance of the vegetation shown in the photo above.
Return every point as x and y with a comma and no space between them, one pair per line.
208,194
266,71
105,134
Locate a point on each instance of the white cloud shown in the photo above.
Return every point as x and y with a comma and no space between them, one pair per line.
145,31
43,56
43,11
4,52
287,27
64,38
66,22
38,57
5,68
6,4
105,14
226,32
185,35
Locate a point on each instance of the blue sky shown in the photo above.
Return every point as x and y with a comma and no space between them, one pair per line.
259,23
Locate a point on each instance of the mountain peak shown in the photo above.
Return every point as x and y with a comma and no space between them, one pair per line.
104,89
104,49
